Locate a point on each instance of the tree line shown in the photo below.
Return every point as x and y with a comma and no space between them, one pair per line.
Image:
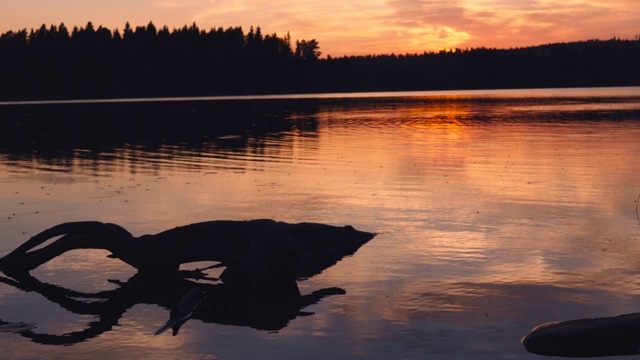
88,62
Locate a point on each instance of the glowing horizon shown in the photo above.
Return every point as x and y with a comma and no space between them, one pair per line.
357,27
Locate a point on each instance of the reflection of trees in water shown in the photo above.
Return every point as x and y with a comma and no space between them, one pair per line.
232,134
148,136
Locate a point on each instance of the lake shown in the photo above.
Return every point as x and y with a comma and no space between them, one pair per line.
495,210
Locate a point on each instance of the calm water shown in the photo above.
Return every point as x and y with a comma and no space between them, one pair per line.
496,211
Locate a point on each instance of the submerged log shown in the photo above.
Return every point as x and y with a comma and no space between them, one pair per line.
608,336
257,253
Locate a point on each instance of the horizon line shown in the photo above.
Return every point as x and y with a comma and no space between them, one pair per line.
563,91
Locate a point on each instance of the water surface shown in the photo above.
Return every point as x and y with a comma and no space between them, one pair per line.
496,211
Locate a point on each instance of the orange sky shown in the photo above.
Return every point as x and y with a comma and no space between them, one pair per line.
356,27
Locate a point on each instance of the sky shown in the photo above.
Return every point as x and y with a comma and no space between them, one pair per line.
355,27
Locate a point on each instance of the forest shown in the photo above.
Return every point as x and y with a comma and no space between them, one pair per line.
86,63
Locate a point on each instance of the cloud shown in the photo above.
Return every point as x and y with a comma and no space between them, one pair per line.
168,4
179,4
510,23
421,12
359,26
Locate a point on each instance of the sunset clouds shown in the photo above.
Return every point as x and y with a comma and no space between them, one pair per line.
360,26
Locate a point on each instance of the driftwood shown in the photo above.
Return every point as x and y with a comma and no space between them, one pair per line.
263,260
607,336
257,254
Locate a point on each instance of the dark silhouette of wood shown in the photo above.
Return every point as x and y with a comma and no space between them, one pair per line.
263,260
608,336
258,254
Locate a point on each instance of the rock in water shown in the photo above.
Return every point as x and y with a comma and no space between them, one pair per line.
608,336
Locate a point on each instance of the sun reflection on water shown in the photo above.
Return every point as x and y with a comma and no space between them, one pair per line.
492,217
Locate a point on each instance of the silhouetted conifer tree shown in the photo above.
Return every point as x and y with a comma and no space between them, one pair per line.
90,62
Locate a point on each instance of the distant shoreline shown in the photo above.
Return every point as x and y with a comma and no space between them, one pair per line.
542,92
150,63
